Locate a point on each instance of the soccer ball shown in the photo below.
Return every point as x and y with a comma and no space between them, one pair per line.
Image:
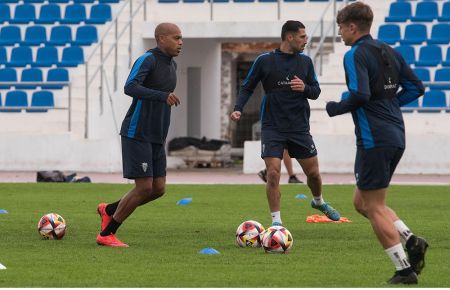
277,239
52,226
248,234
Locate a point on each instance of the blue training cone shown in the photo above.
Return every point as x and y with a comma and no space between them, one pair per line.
300,196
209,251
3,211
184,201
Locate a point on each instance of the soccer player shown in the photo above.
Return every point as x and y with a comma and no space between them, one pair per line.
374,73
289,80
151,83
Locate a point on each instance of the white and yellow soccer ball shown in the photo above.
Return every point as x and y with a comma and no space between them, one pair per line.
52,226
248,234
277,239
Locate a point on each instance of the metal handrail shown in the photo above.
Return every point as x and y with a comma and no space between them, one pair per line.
103,57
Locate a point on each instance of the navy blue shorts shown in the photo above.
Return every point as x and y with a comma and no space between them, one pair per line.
374,167
142,159
299,145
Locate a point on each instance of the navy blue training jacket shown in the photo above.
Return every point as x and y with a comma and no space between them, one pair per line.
151,80
281,109
378,121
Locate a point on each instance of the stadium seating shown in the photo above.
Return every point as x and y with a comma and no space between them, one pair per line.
16,99
425,12
46,57
41,99
442,75
415,34
407,52
5,13
446,62
83,1
430,55
30,75
3,58
410,107
60,35
434,99
20,57
445,15
74,14
72,56
399,12
10,35
7,75
440,34
35,35
423,74
24,14
389,33
100,14
86,35
58,1
56,75
49,14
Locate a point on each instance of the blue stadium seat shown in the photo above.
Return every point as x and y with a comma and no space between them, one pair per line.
415,34
243,1
434,99
41,99
72,56
100,14
56,75
30,75
443,75
425,12
266,1
35,35
83,1
3,58
7,75
410,107
10,35
445,15
49,14
46,57
58,1
168,1
407,52
423,74
74,14
16,99
446,62
109,1
440,34
60,35
399,12
5,13
86,35
193,1
429,56
20,57
389,33
23,14
33,1
10,1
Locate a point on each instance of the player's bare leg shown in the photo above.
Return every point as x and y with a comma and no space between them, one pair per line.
273,166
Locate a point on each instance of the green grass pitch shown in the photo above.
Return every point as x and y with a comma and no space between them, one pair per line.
165,238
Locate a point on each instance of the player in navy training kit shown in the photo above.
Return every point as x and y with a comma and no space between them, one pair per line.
374,72
289,80
151,83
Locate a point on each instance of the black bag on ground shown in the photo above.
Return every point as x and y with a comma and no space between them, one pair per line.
58,176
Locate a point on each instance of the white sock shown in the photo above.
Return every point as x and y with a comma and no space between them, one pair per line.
398,257
276,217
318,200
403,230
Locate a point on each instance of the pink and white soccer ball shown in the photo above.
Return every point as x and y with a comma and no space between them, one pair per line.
277,239
52,226
248,234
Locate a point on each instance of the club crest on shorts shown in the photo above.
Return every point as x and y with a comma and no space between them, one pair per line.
144,166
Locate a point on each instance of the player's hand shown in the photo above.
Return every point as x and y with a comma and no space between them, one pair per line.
172,99
297,84
235,116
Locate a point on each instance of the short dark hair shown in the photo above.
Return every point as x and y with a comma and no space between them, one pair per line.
291,26
359,13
